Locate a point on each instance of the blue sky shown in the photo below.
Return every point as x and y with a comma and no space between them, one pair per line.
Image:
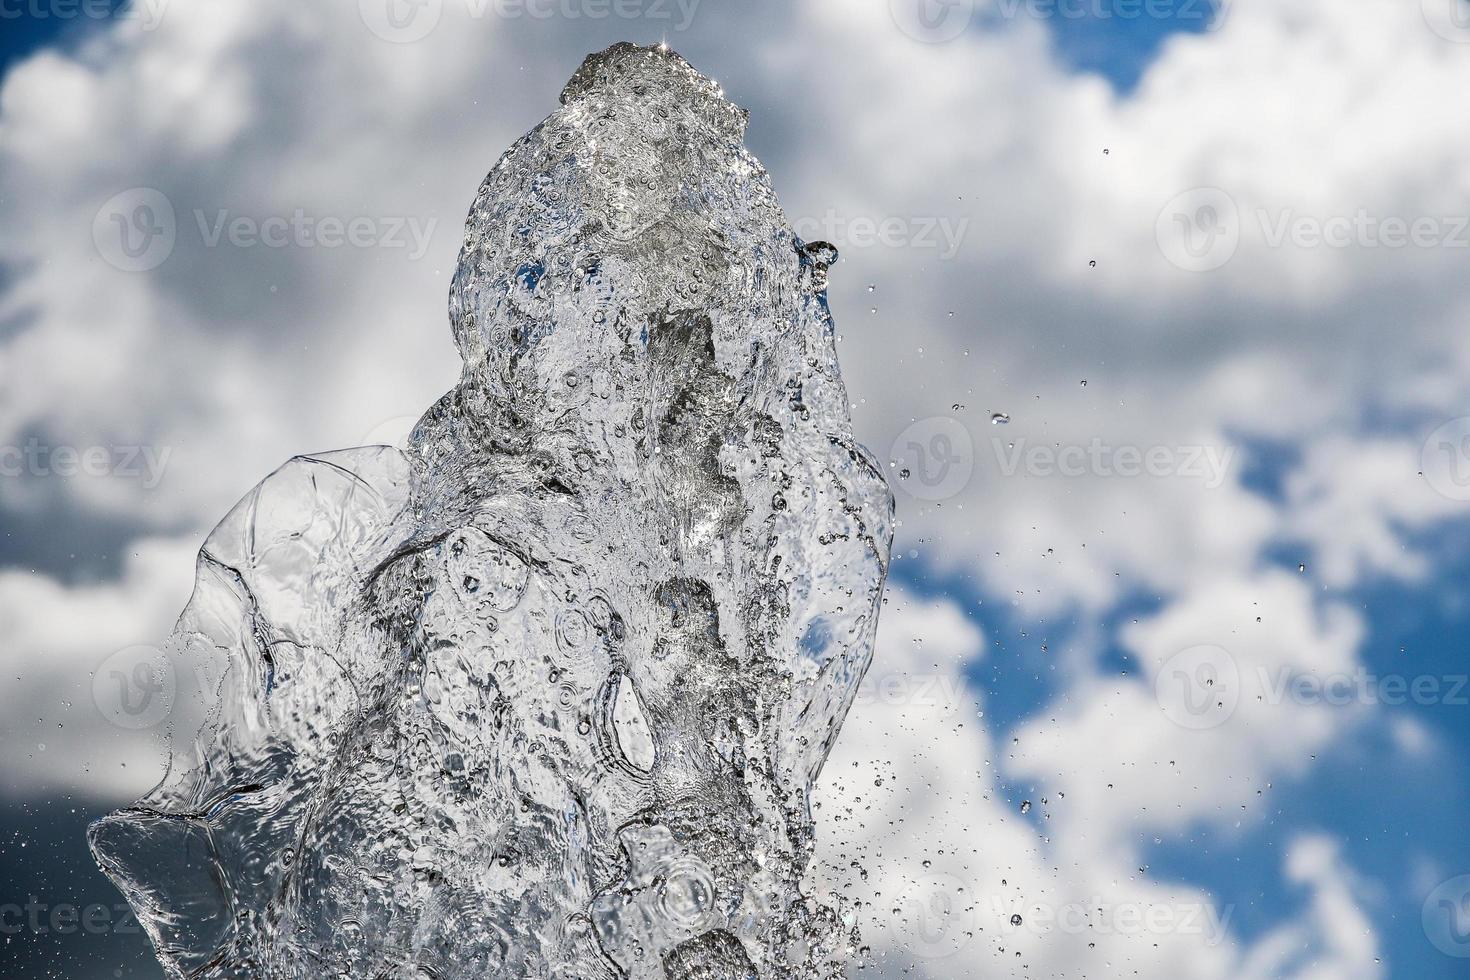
1325,368
25,33
1120,48
1393,816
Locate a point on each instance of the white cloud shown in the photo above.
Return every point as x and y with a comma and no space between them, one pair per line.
1354,501
1412,737
1335,939
202,356
235,358
949,859
60,716
1296,344
1214,716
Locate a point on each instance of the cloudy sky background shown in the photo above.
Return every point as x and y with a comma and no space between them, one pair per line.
1209,262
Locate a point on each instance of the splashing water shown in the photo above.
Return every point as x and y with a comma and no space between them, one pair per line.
545,694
